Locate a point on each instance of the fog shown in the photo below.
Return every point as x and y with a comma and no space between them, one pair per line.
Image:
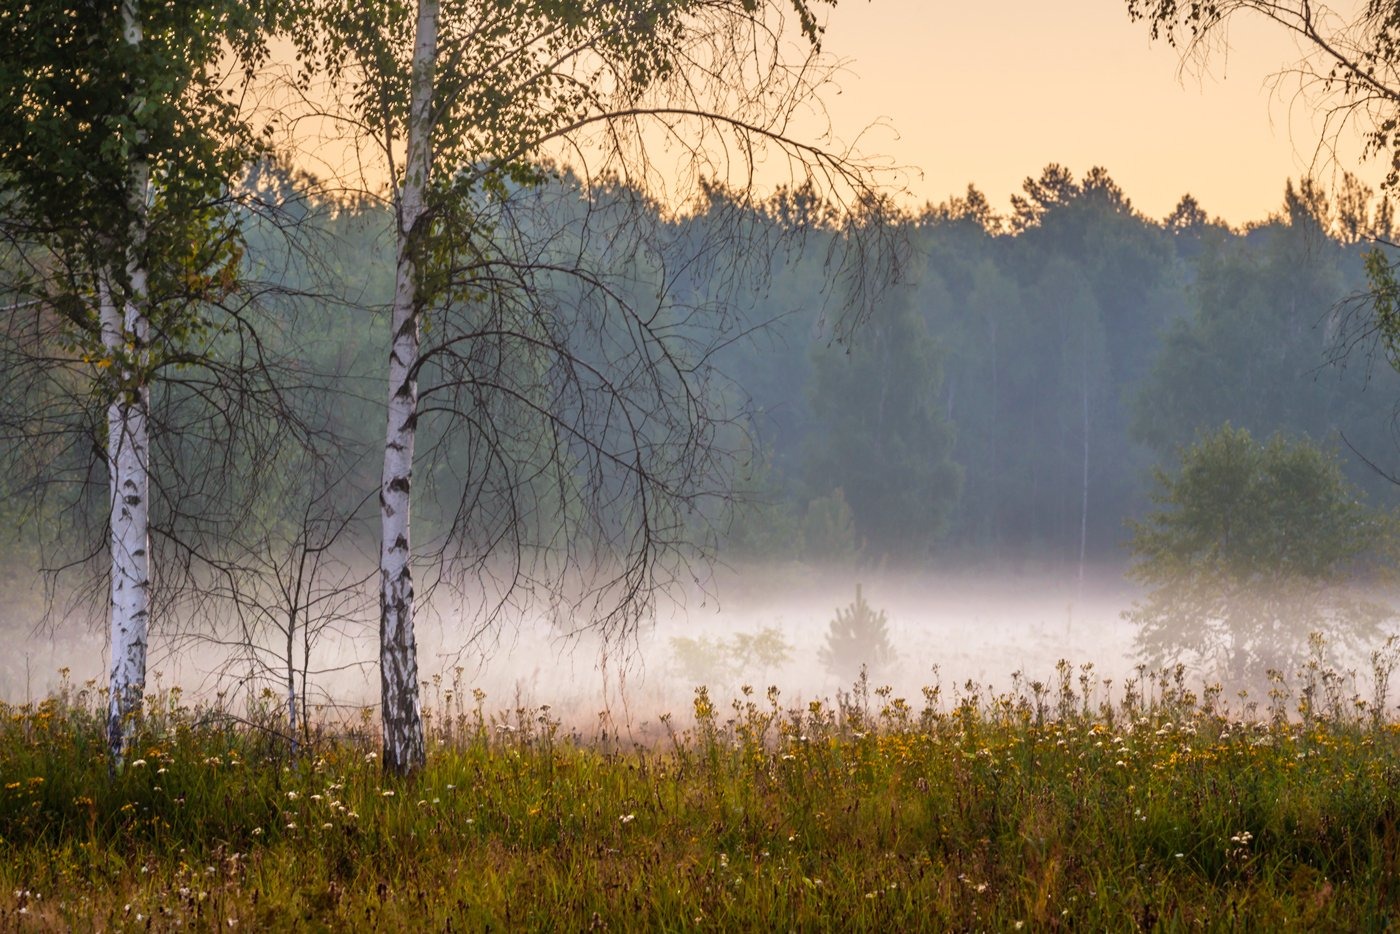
946,629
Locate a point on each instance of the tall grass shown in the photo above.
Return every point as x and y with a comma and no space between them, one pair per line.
1068,803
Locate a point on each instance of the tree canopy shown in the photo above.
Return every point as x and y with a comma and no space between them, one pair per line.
1249,553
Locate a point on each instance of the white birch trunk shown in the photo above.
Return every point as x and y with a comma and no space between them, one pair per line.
124,334
398,653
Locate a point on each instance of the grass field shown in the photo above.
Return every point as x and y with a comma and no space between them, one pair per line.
1070,804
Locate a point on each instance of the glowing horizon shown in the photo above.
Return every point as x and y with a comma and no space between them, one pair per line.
989,95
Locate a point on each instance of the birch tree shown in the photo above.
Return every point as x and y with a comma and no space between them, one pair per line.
464,99
119,142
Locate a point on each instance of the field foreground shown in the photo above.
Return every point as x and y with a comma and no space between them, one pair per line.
1047,806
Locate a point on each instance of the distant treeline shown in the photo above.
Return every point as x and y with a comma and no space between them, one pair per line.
1004,398
1009,398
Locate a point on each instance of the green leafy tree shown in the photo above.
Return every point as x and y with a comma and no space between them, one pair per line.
1252,550
122,135
463,99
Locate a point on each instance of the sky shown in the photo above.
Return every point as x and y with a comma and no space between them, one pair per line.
990,93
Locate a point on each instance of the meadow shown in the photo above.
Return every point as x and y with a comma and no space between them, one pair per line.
1076,802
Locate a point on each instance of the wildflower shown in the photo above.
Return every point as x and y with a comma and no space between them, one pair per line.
291,825
387,793
257,831
315,797
327,826
138,763
627,818
292,795
371,756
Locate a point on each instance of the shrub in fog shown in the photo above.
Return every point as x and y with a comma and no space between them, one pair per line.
1254,546
706,660
859,636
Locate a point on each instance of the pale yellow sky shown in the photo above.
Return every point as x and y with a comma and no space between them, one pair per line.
991,92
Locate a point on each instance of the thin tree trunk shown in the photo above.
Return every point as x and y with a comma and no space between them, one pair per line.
292,677
993,457
1084,499
124,337
398,653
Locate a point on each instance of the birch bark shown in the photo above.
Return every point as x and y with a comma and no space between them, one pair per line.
124,336
398,654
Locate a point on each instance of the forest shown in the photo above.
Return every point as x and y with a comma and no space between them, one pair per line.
1006,401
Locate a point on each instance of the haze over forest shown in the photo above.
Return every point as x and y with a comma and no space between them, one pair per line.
971,452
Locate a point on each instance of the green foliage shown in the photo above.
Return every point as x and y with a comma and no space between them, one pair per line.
1250,554
829,530
884,439
1385,299
762,524
120,155
705,660
84,103
1252,350
857,642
